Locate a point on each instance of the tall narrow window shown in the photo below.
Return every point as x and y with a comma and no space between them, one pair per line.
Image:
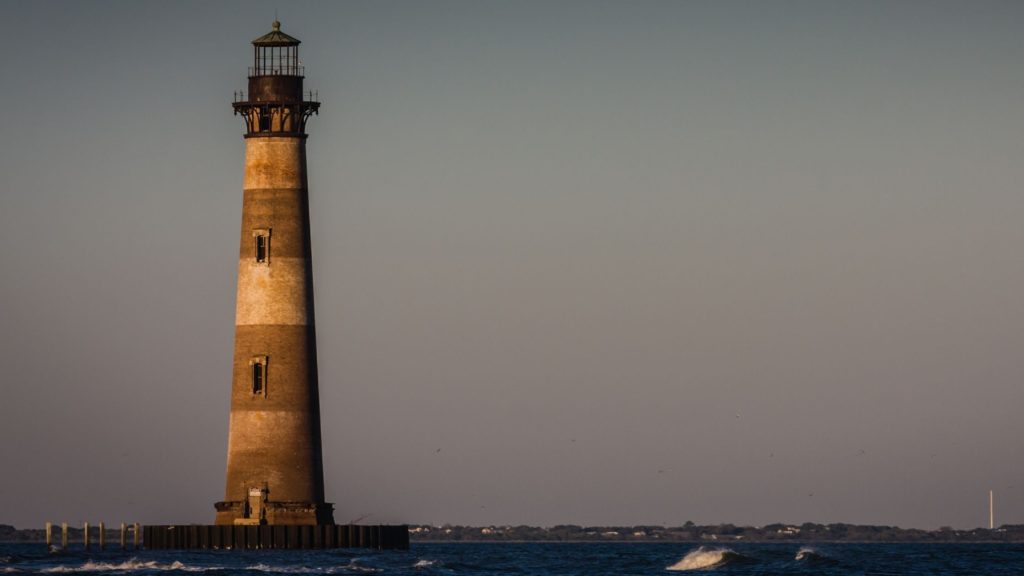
261,240
258,367
257,378
261,248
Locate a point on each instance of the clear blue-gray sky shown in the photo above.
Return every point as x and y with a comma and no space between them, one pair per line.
621,262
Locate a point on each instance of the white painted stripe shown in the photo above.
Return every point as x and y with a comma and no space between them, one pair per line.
275,163
273,294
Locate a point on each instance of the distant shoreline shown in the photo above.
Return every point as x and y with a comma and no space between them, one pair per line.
720,543
721,534
712,535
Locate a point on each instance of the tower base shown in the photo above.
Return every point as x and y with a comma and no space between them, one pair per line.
239,513
214,537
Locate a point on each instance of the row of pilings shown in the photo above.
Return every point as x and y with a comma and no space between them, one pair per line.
250,537
101,538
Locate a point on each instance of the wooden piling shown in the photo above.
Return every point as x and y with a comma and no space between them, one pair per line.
135,534
49,535
85,534
103,535
124,536
64,535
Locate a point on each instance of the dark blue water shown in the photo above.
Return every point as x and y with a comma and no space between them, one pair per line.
587,559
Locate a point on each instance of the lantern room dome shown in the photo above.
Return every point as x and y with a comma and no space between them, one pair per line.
276,38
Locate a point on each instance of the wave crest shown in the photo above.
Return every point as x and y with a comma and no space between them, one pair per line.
352,566
703,558
807,554
812,556
130,564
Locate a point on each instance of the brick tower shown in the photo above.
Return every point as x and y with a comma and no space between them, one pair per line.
275,468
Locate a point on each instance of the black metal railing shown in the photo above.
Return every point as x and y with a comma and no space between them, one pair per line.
277,70
307,96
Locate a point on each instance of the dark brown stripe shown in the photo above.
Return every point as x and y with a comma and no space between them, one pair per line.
283,210
291,372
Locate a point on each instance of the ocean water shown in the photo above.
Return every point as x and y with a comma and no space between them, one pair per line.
582,559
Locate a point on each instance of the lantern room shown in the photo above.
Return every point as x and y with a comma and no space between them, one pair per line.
275,103
276,54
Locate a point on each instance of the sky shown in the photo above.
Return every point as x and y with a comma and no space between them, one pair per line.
592,262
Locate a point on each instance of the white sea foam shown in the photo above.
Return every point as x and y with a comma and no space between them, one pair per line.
269,568
352,566
424,563
810,555
806,553
127,565
702,558
291,569
9,570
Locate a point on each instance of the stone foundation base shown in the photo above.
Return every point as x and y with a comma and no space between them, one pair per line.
275,514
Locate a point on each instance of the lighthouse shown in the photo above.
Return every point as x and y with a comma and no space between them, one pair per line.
274,492
274,462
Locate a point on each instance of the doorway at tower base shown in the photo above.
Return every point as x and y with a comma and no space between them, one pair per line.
295,537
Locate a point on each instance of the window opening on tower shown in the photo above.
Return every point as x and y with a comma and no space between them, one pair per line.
261,248
259,375
262,244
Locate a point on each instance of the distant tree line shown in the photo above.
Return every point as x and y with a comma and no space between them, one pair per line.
690,532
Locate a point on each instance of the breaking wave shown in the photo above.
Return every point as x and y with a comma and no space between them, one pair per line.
811,556
807,554
703,558
131,564
424,563
352,566
286,569
135,564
